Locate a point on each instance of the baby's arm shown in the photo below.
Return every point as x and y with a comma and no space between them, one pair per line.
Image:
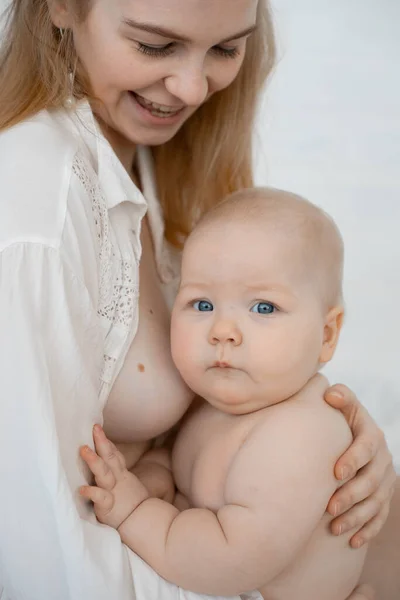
272,507
154,470
133,451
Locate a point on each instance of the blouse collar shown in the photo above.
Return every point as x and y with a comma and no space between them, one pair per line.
118,186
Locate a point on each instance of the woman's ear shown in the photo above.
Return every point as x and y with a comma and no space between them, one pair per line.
59,13
332,327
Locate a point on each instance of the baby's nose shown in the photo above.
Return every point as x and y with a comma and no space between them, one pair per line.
225,332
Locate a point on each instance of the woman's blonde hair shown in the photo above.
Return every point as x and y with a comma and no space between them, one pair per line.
211,155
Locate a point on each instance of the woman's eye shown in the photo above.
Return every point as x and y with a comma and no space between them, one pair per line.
167,49
156,51
263,308
226,52
203,306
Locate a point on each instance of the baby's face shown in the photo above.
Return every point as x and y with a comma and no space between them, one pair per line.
247,324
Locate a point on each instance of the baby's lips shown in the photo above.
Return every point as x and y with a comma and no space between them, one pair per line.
222,364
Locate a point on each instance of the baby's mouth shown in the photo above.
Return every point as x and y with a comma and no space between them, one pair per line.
220,364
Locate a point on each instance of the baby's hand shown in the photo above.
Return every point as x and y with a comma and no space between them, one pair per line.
118,491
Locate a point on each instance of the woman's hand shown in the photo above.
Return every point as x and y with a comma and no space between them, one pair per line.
363,501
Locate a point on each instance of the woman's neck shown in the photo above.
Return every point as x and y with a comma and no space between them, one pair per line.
124,149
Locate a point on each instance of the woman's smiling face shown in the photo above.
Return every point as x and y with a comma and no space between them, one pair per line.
153,63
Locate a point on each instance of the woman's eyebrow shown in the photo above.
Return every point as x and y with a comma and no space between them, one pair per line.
167,33
239,35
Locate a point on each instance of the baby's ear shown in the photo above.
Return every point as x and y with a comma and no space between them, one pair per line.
332,327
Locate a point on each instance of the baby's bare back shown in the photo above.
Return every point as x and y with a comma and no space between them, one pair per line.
326,568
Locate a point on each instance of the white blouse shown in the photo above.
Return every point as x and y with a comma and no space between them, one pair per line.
70,219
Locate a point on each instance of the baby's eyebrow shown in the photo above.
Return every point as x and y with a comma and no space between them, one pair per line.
278,287
193,284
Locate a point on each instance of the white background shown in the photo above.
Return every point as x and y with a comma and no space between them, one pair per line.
330,129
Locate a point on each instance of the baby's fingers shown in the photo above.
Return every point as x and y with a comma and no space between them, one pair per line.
102,499
103,474
109,453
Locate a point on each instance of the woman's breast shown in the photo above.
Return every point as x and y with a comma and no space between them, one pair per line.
148,396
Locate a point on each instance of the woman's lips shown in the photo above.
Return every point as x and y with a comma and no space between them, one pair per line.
154,117
156,109
157,105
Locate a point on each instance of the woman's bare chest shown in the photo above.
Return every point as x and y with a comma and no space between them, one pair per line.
148,373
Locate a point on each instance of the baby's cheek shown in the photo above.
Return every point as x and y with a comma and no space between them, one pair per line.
277,367
271,357
177,340
183,344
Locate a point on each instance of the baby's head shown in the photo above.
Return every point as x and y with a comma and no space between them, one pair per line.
259,308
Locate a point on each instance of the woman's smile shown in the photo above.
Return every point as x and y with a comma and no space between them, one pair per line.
153,113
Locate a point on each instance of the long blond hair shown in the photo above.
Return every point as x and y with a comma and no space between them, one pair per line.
211,155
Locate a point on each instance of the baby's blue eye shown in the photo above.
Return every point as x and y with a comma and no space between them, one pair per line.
203,306
263,308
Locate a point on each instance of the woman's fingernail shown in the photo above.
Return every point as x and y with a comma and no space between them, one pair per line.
336,393
358,543
344,528
345,472
340,530
335,509
98,429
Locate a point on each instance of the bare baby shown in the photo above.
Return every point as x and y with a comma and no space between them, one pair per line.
258,313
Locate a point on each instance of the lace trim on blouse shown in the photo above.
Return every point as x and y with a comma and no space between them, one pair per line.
118,279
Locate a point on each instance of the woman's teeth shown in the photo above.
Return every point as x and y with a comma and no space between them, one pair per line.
157,110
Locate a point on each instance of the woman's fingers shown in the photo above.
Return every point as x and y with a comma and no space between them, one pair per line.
363,450
362,502
370,529
360,453
362,514
362,592
368,516
365,486
368,438
109,452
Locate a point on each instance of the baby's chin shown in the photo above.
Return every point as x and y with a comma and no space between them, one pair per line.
230,393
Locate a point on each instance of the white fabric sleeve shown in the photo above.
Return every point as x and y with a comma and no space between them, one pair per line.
51,547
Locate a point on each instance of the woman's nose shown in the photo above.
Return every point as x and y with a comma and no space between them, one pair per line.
225,332
189,85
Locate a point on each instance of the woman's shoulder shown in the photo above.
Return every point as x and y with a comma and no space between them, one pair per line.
44,137
35,173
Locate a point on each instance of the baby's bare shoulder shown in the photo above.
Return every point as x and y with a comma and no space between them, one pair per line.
307,410
300,436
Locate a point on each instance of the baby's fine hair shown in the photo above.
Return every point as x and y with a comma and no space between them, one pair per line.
320,244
